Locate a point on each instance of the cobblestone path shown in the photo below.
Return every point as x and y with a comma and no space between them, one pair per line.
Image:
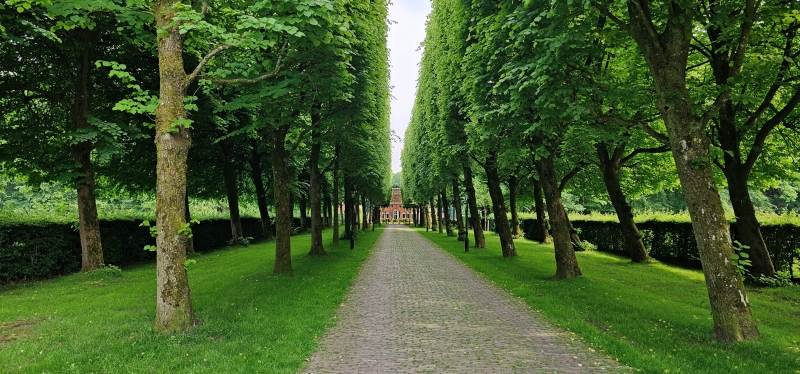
416,309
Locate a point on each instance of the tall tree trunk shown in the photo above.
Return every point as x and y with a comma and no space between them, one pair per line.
543,235
314,194
737,175
336,204
513,185
566,262
457,207
173,300
261,193
427,215
229,175
434,216
666,56
190,241
88,224
440,222
446,209
303,213
610,167
364,223
283,200
499,207
475,218
348,209
327,210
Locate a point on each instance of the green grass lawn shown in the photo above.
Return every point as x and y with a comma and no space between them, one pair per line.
253,321
654,318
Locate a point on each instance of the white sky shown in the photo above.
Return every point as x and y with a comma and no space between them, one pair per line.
405,37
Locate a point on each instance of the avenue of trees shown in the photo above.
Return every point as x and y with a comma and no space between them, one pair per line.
620,98
285,102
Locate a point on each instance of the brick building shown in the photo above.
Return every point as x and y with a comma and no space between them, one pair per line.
395,211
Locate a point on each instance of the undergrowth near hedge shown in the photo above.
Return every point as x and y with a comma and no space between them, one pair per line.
253,322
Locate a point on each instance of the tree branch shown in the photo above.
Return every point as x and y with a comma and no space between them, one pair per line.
663,148
608,117
206,59
606,12
569,176
299,140
271,74
761,137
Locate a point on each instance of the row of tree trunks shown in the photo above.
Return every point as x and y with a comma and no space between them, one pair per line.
498,206
232,192
566,262
475,218
261,193
610,166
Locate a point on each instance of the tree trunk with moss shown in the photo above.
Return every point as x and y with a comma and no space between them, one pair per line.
88,223
190,241
566,261
666,54
474,216
173,301
283,201
261,193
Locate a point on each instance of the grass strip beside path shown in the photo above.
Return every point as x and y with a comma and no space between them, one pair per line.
253,321
655,318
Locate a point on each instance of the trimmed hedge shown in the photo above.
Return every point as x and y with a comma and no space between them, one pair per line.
674,242
37,250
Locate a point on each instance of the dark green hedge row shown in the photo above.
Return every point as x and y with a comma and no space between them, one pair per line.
674,242
30,251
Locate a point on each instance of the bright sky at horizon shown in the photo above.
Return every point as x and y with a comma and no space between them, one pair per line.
404,41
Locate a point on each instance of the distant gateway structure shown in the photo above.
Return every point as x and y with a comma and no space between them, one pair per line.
395,211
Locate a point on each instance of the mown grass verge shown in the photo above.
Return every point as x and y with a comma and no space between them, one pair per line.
253,321
654,318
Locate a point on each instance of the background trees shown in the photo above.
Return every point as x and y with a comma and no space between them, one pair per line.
585,89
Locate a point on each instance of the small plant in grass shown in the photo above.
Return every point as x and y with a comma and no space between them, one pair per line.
107,271
780,279
740,258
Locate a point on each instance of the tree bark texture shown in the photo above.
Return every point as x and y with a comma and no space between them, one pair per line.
446,207
543,234
666,56
499,207
439,221
364,212
261,193
173,300
457,207
232,192
283,201
513,185
566,262
88,223
474,216
315,187
433,215
427,215
610,167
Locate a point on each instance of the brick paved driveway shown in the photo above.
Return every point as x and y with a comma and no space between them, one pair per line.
416,309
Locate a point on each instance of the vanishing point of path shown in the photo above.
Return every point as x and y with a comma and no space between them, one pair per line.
416,309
